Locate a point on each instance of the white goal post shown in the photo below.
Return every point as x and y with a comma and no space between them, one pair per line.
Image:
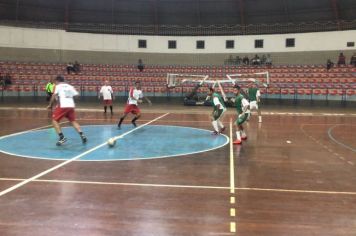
174,80
258,78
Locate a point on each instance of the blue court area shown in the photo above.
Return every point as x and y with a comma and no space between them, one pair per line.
151,141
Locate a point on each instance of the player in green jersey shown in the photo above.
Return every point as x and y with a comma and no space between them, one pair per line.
243,113
218,112
254,96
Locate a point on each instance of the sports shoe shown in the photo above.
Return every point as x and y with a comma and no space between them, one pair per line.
134,124
243,137
222,129
215,133
84,139
61,141
236,142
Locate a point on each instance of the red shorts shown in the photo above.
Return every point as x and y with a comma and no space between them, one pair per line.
107,102
59,113
131,108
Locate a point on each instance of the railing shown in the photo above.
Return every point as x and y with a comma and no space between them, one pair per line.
290,92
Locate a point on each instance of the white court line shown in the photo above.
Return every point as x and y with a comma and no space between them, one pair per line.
27,131
232,167
73,159
181,186
338,142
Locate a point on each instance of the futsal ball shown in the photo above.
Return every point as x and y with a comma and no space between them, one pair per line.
111,142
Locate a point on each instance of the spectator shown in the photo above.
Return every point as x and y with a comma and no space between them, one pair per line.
353,59
256,60
2,81
7,80
268,60
329,64
230,60
245,60
76,67
238,60
140,65
70,67
263,59
342,59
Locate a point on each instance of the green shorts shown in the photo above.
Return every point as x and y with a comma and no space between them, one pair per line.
218,113
242,118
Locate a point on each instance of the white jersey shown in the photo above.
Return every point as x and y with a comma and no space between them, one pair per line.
245,105
216,102
134,95
107,92
65,93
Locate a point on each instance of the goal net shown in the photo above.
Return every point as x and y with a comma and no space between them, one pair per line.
174,80
259,78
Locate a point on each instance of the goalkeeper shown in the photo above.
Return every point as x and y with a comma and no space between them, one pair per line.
243,112
218,112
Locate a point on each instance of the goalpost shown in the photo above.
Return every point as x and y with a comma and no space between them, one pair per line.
174,80
260,78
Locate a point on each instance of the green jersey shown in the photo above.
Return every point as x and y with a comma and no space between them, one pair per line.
218,100
49,87
252,94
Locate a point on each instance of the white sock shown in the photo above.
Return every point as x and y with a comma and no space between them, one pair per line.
238,137
243,134
260,119
215,125
220,124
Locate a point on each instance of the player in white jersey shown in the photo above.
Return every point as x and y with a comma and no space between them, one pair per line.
135,97
64,94
108,96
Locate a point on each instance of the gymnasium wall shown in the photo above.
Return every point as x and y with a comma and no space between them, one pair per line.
28,44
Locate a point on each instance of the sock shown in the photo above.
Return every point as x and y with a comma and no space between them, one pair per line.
260,119
215,125
243,134
104,109
111,109
134,119
220,124
121,119
238,137
80,133
61,135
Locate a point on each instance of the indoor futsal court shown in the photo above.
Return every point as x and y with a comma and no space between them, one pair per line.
294,175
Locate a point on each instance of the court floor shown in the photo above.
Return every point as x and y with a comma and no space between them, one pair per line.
295,175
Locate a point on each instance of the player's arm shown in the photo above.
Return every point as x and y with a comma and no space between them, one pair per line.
51,101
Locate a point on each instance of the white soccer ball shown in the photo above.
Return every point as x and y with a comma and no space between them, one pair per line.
111,142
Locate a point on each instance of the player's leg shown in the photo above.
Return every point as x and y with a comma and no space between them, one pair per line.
71,117
121,120
137,115
105,108
259,114
238,136
220,124
111,112
128,109
244,118
58,114
214,121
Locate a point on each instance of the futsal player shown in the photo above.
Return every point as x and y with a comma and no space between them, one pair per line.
218,112
135,97
243,112
254,96
64,94
108,96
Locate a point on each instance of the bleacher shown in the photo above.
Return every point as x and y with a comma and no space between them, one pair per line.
297,82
